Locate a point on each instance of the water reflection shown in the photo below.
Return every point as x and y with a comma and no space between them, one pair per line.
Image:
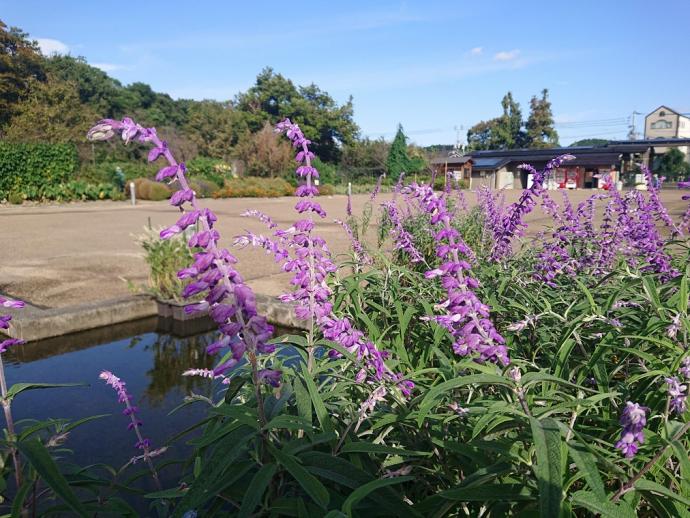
171,357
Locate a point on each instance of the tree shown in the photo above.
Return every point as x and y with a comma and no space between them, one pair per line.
96,88
264,153
512,121
540,130
51,112
214,127
482,136
590,142
20,65
398,161
323,121
673,165
365,158
504,132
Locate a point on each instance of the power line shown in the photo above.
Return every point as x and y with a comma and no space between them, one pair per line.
592,135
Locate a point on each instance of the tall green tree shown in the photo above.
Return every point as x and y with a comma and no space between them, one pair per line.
273,97
51,112
540,126
365,158
512,121
673,165
399,159
264,153
20,65
504,132
215,128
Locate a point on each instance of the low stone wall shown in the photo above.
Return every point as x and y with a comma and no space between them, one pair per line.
33,323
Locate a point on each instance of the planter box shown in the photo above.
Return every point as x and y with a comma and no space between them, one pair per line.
175,310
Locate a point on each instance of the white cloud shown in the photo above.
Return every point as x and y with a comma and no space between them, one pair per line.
477,51
507,55
50,46
108,67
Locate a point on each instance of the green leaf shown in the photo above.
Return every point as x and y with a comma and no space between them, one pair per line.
683,295
362,491
547,443
309,483
605,508
319,407
289,422
18,388
303,400
586,463
40,459
257,487
367,447
234,387
18,502
435,392
489,493
653,487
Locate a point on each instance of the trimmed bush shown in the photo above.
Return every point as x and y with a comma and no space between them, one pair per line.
210,169
30,169
254,187
327,189
203,188
146,189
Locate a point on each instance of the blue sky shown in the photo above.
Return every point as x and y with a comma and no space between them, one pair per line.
432,66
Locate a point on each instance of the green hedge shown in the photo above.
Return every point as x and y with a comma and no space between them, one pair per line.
31,169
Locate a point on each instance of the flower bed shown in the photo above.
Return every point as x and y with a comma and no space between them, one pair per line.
458,369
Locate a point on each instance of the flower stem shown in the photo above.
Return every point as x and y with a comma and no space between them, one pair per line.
6,406
257,389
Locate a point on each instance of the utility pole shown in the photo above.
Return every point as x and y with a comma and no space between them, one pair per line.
632,134
458,144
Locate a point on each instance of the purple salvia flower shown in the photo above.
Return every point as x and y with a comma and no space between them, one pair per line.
512,223
125,398
10,303
377,188
311,263
401,237
5,321
266,220
465,316
212,271
633,420
360,254
455,407
655,204
678,394
685,367
10,342
672,330
272,377
202,373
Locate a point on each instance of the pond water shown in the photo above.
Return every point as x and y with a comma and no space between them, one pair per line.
149,355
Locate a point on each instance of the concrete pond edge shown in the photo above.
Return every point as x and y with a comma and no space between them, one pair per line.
33,323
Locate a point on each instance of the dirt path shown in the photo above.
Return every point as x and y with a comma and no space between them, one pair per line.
62,255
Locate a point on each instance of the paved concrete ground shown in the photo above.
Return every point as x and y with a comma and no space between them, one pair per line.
55,256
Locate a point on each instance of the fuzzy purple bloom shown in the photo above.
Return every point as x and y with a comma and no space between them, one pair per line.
212,272
463,314
678,392
633,420
124,397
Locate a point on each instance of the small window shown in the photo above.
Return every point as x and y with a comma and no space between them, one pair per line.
662,113
662,124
